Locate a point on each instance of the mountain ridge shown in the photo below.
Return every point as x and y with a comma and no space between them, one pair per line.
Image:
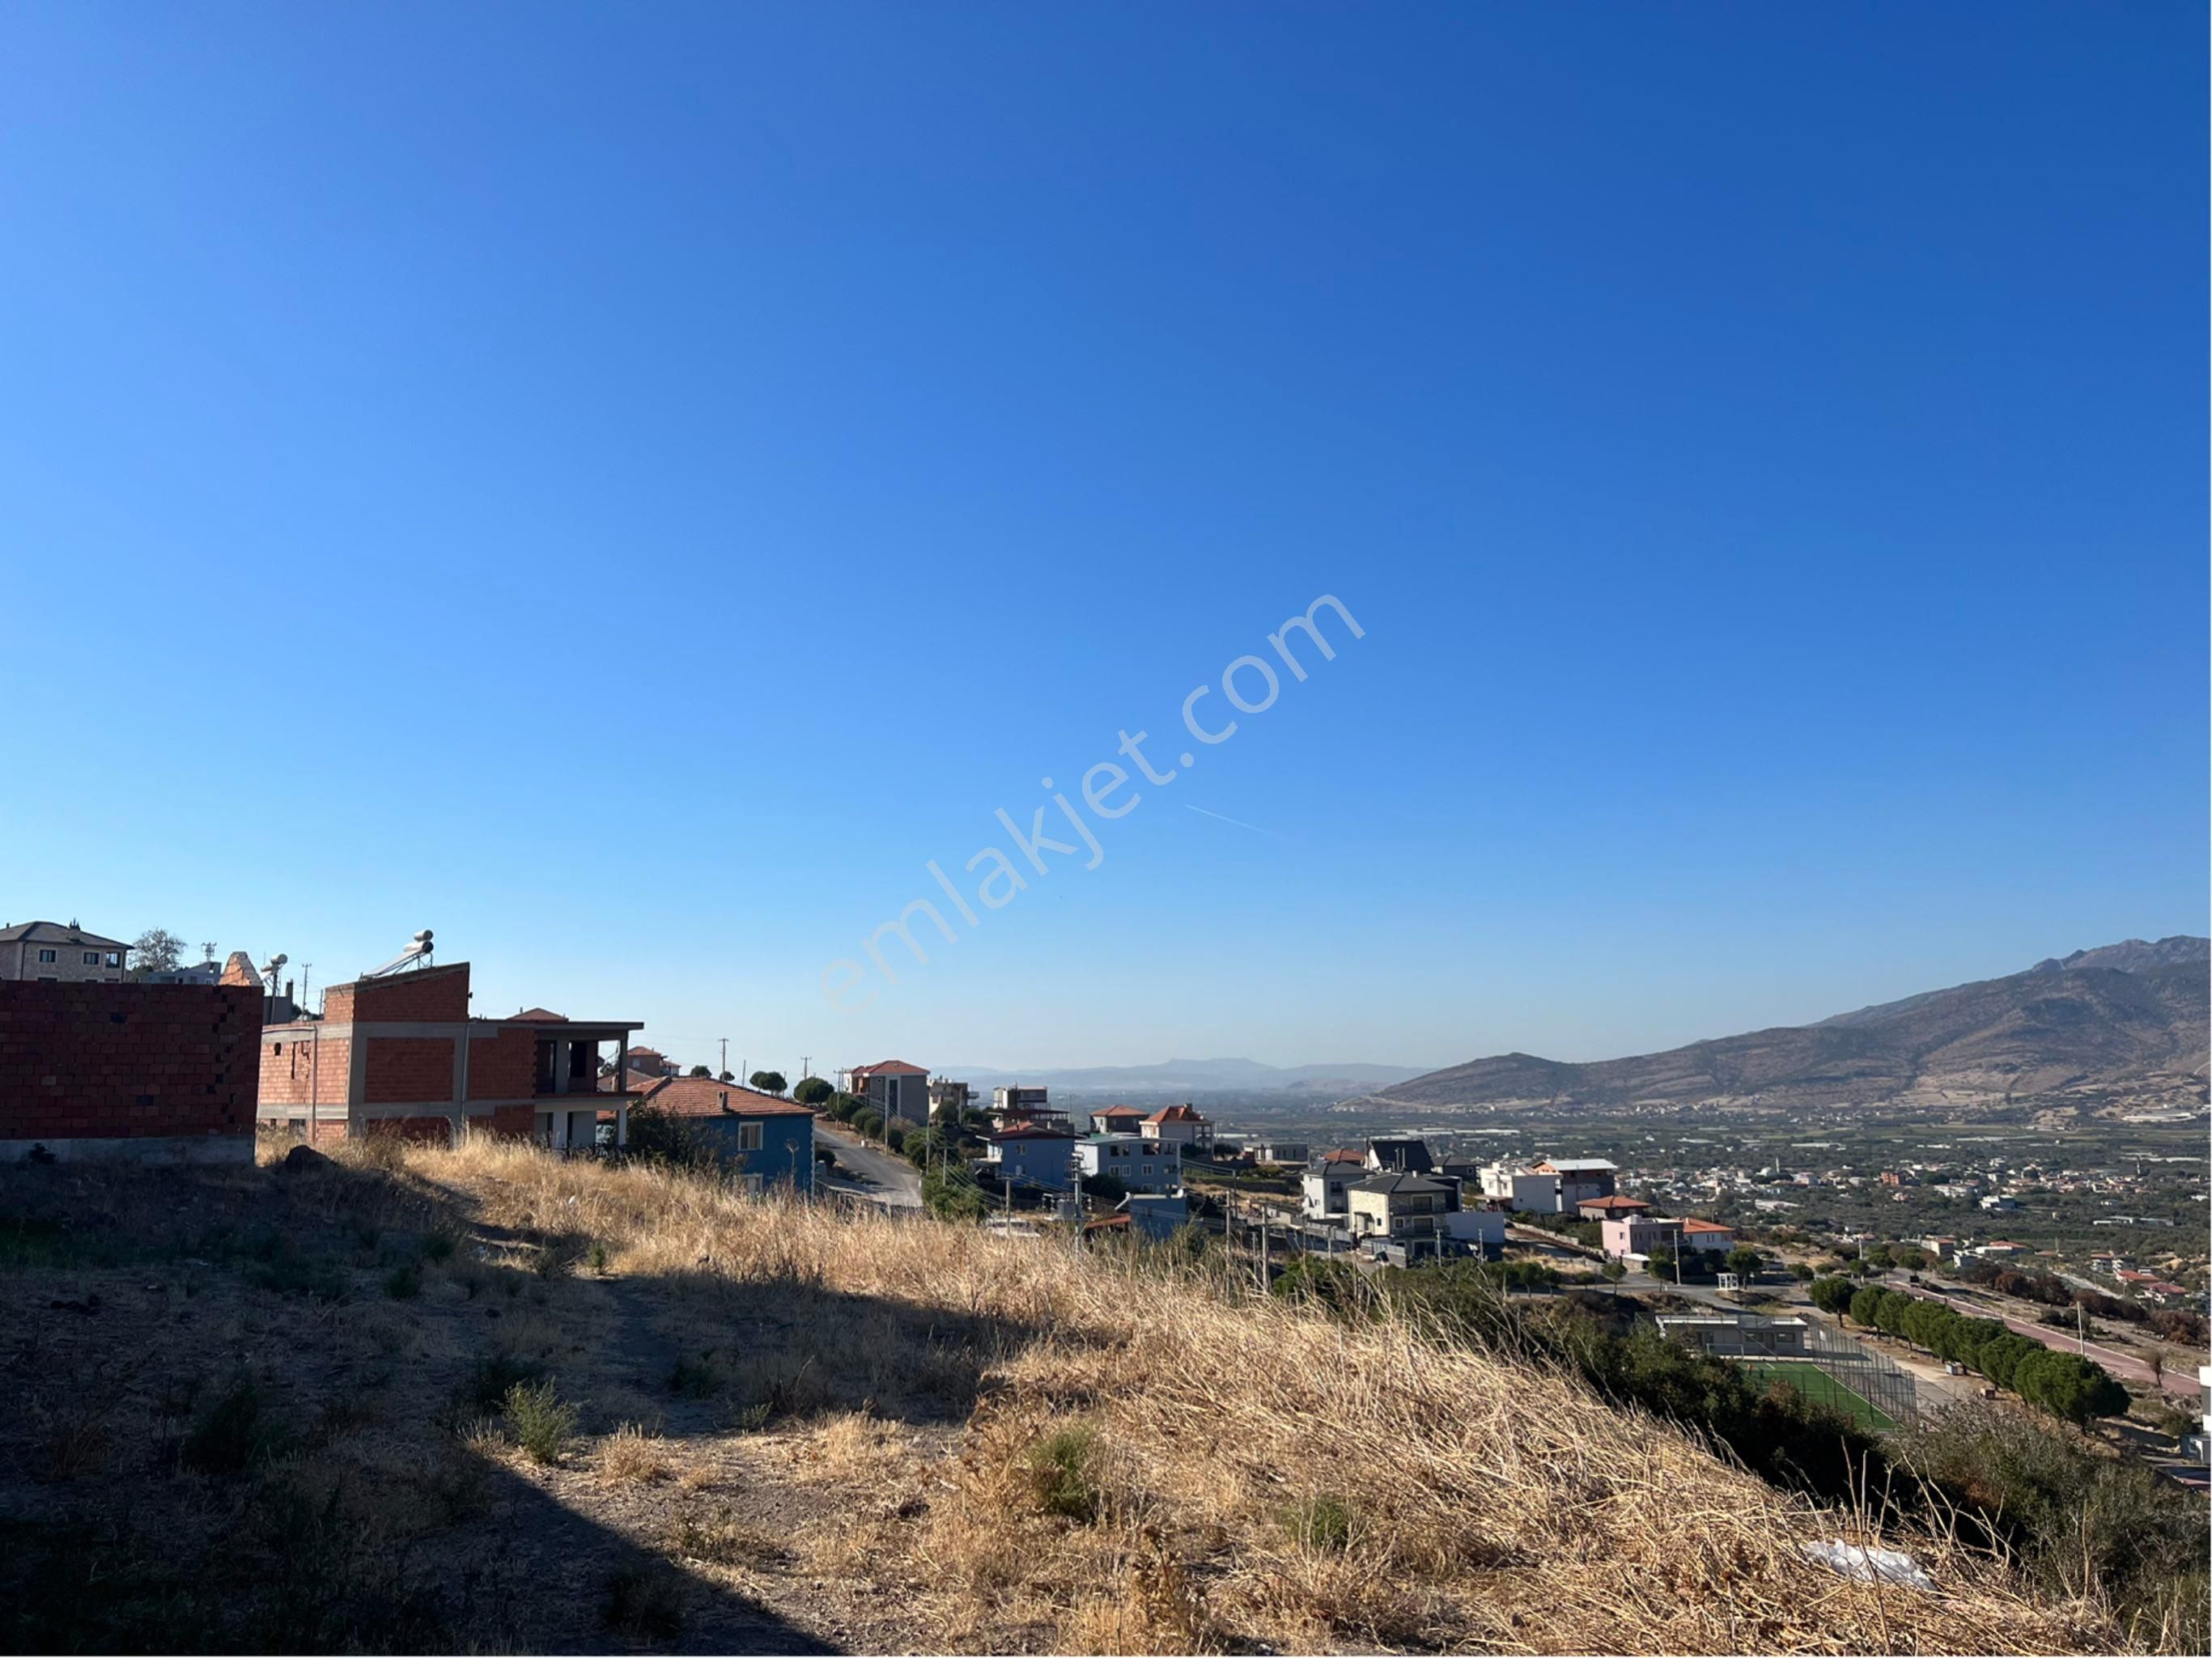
2122,1017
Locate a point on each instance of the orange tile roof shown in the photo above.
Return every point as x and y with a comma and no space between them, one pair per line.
1693,1224
702,1096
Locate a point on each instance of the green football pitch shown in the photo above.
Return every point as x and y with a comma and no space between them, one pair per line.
1817,1385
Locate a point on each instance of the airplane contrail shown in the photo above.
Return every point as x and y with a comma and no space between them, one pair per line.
1254,828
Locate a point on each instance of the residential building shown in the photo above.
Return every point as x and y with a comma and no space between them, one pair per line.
1399,1156
1615,1207
892,1087
1633,1237
1325,1183
138,1072
1401,1207
1284,1154
1574,1181
1118,1120
1010,1108
1180,1125
1030,1156
1150,1167
48,951
1157,1216
762,1140
947,1095
1708,1235
400,1052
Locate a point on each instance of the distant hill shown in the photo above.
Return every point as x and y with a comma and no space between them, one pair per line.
1196,1076
2127,1015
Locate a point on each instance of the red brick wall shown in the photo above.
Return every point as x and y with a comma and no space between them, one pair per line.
118,1061
438,994
295,1072
505,1066
518,1119
402,1070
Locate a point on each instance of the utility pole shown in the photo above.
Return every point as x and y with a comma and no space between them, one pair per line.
723,1068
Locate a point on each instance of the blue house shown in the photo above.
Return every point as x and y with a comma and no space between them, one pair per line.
1030,1156
765,1141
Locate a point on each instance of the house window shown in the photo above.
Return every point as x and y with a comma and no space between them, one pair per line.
45,956
92,958
114,958
748,1139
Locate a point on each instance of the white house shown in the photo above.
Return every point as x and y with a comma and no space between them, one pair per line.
1323,1185
1152,1167
1179,1125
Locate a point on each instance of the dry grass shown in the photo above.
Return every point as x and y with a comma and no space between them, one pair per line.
629,1455
1488,1504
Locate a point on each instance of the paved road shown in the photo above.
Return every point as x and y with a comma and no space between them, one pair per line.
869,1170
2180,1383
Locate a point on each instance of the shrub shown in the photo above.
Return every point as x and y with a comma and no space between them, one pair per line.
1063,1473
869,1121
894,1135
404,1281
229,1435
696,1378
1320,1522
494,1375
541,1424
644,1602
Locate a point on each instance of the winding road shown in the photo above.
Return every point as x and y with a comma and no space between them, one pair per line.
867,1170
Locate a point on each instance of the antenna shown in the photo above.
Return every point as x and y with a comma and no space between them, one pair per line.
416,954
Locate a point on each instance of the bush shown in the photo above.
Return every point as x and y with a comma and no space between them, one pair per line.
404,1281
844,1107
541,1423
2078,1523
894,1135
493,1375
229,1434
869,1121
1320,1522
1063,1473
952,1194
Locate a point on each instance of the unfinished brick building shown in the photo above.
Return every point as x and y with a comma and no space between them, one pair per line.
152,1072
400,1053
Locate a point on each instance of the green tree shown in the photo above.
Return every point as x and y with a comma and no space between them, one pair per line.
1999,1358
1745,1262
869,1121
952,1194
844,1107
2071,1387
158,951
1832,1294
1866,1307
894,1135
1659,1262
812,1090
1613,1271
1802,1271
700,1071
768,1082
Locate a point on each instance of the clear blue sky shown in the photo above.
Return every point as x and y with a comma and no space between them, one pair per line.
626,487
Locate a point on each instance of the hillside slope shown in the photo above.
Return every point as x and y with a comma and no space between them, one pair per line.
795,1432
2074,1024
